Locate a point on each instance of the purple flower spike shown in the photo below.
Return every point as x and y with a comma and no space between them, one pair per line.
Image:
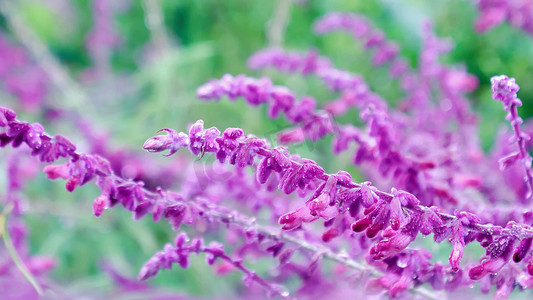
422,153
504,89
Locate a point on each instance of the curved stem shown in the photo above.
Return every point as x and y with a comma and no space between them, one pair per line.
524,155
13,252
249,223
155,24
276,26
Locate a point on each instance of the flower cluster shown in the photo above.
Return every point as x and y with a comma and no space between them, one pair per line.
83,168
313,124
504,89
429,177
392,220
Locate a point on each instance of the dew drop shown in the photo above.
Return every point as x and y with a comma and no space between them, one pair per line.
401,264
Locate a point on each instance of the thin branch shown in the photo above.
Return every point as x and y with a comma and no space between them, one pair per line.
4,233
154,21
249,223
277,25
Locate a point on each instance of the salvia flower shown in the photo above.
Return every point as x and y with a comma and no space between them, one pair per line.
172,141
519,14
439,180
505,89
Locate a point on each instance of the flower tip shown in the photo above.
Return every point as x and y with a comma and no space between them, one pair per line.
361,224
143,274
152,144
99,205
56,171
477,272
71,184
289,222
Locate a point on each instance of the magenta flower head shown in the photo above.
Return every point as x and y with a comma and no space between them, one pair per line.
172,141
203,140
100,204
504,89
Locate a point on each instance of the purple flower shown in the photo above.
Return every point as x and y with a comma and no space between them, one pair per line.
281,100
6,116
201,140
100,204
504,89
488,266
296,218
522,250
172,141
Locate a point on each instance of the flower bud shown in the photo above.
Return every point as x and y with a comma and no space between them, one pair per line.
100,204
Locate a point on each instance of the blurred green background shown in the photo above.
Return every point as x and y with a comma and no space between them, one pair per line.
144,90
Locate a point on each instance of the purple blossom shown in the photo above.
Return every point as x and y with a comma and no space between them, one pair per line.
504,89
519,13
20,76
399,210
398,216
173,141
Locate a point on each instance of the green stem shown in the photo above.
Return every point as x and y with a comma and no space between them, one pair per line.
13,252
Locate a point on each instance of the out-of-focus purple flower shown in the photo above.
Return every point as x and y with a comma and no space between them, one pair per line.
339,21
279,99
20,77
288,61
102,37
519,13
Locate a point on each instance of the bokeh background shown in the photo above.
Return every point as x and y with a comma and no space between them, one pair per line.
126,68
